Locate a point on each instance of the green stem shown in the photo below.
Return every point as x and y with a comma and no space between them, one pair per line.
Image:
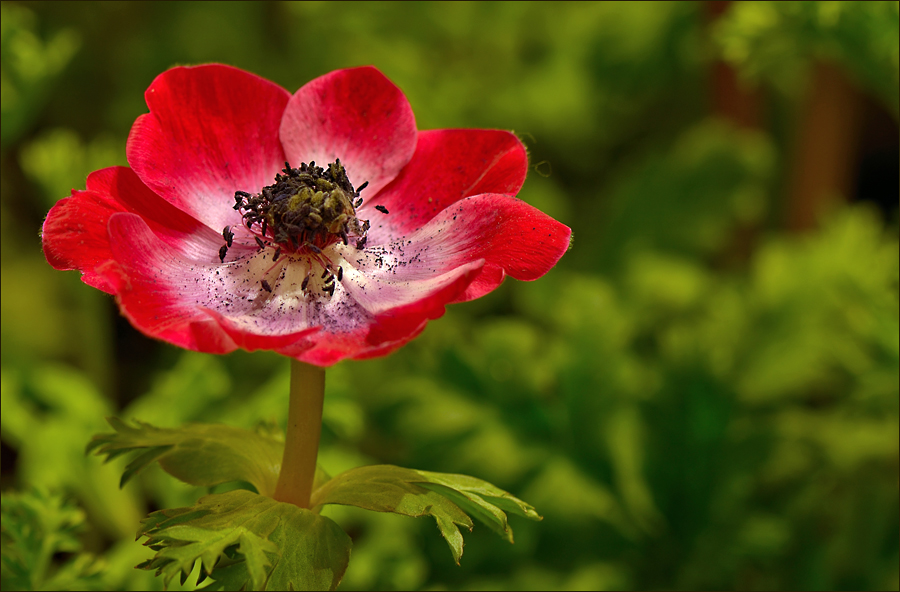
301,442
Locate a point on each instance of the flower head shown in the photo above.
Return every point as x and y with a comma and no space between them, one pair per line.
321,225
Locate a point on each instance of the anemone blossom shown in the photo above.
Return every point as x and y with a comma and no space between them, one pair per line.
321,225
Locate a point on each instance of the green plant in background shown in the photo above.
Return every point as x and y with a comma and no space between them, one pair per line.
682,420
776,40
36,526
31,67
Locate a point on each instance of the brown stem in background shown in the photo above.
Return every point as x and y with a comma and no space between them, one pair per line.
731,98
740,103
823,159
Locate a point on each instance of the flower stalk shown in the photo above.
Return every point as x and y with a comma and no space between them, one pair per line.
301,442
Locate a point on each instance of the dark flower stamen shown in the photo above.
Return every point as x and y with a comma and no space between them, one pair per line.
239,197
382,209
265,286
340,275
306,209
222,252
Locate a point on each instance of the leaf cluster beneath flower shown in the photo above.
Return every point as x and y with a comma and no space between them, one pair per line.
245,540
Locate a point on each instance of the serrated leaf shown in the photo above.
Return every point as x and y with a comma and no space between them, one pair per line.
446,497
472,487
489,514
275,545
142,460
197,454
386,488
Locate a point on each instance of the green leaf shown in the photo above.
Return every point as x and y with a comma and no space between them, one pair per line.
248,541
36,526
198,454
446,497
472,487
481,499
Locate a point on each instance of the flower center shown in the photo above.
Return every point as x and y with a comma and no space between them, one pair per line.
305,210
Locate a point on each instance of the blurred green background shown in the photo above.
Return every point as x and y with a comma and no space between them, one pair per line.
702,395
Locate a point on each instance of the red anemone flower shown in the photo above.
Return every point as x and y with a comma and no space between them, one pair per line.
226,234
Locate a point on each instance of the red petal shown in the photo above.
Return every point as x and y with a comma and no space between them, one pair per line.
74,235
212,130
75,232
447,166
356,115
141,272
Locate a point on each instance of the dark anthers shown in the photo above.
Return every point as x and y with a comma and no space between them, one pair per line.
304,211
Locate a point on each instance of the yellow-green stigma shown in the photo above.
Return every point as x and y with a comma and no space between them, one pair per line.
305,210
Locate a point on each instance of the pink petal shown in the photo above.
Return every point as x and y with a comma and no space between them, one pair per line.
75,233
511,236
254,341
349,324
379,279
212,130
447,166
356,115
389,330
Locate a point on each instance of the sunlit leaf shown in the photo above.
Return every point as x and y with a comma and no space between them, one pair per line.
445,497
248,541
198,454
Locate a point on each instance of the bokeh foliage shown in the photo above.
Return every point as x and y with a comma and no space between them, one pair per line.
682,416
